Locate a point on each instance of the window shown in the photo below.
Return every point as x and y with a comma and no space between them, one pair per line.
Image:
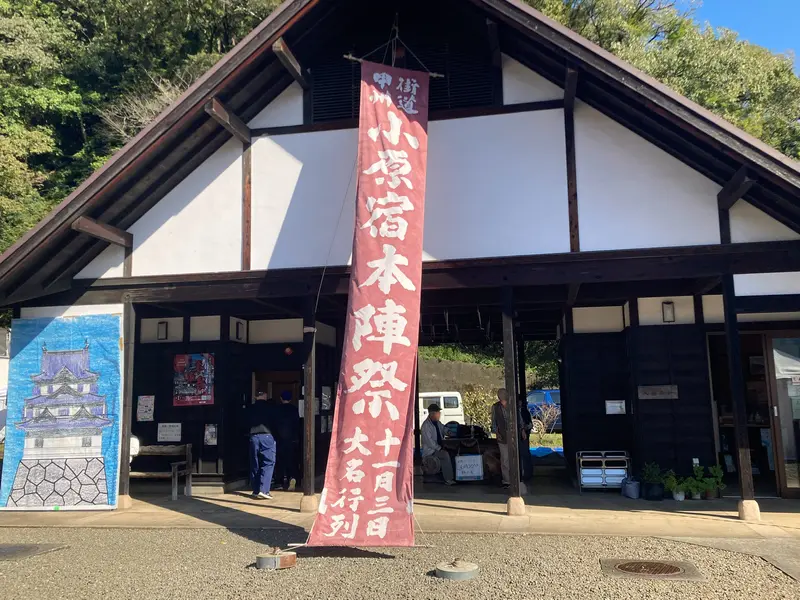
38,443
556,396
97,410
426,402
63,412
450,402
86,442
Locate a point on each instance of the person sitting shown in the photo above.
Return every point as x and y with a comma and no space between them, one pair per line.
435,459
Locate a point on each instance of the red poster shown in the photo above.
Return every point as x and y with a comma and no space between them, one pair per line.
193,380
368,494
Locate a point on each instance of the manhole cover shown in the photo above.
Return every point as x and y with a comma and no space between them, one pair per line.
651,569
648,567
20,551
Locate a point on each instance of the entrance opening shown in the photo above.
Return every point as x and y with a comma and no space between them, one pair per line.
758,411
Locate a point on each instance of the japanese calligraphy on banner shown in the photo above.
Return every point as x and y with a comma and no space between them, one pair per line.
368,494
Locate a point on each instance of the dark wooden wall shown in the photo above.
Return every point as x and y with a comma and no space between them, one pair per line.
609,366
673,432
234,363
594,369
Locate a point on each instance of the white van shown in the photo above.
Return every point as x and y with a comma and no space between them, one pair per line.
450,402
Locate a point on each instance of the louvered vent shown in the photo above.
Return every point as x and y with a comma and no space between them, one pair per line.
467,82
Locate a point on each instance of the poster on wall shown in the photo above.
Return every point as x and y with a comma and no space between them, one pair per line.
193,380
63,429
210,435
169,432
145,408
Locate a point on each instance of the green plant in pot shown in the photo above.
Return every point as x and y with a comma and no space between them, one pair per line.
714,484
696,484
653,482
676,485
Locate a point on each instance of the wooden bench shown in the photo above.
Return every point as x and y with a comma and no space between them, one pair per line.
180,467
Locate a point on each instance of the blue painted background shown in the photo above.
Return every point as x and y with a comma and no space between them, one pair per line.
68,333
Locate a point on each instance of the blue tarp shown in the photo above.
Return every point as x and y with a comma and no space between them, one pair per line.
544,451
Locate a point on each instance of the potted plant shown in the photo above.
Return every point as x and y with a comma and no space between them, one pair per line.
653,482
696,484
675,484
714,484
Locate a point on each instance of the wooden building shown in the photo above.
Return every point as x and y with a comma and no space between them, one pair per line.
569,196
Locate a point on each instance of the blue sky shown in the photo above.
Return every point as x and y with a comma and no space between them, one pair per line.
774,24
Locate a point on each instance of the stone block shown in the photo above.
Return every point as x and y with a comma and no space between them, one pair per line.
749,510
61,486
44,489
36,474
53,472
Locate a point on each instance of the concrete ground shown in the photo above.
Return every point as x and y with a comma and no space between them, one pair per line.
218,563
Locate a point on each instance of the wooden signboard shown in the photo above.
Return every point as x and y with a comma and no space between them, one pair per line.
658,392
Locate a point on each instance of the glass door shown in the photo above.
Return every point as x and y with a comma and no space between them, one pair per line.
785,379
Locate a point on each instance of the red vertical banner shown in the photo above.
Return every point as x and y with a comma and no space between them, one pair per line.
368,495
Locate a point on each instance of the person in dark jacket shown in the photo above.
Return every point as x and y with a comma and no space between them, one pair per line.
288,438
261,420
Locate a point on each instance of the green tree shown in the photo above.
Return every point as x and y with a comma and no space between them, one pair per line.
746,84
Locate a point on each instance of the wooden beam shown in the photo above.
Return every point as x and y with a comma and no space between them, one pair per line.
497,62
102,231
509,363
247,205
235,126
736,187
288,60
572,293
570,86
129,324
708,285
310,387
737,388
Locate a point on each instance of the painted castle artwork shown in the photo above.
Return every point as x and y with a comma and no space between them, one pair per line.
66,427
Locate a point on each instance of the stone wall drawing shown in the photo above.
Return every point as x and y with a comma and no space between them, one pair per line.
62,445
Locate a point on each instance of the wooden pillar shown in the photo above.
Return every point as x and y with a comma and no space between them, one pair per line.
516,505
129,343
521,383
415,405
309,501
736,375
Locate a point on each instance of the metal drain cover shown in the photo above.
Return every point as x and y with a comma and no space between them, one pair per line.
20,551
651,569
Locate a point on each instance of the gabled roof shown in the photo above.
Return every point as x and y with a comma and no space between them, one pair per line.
45,259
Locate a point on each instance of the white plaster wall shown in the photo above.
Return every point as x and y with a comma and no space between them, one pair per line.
36,312
196,227
749,224
631,194
286,109
762,317
204,329
713,309
520,84
597,319
232,334
276,331
480,170
650,310
108,264
758,284
149,330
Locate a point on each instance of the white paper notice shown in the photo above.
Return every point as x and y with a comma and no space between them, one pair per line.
210,435
145,408
169,432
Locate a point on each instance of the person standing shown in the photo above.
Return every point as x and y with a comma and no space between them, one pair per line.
261,420
288,438
500,419
434,457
